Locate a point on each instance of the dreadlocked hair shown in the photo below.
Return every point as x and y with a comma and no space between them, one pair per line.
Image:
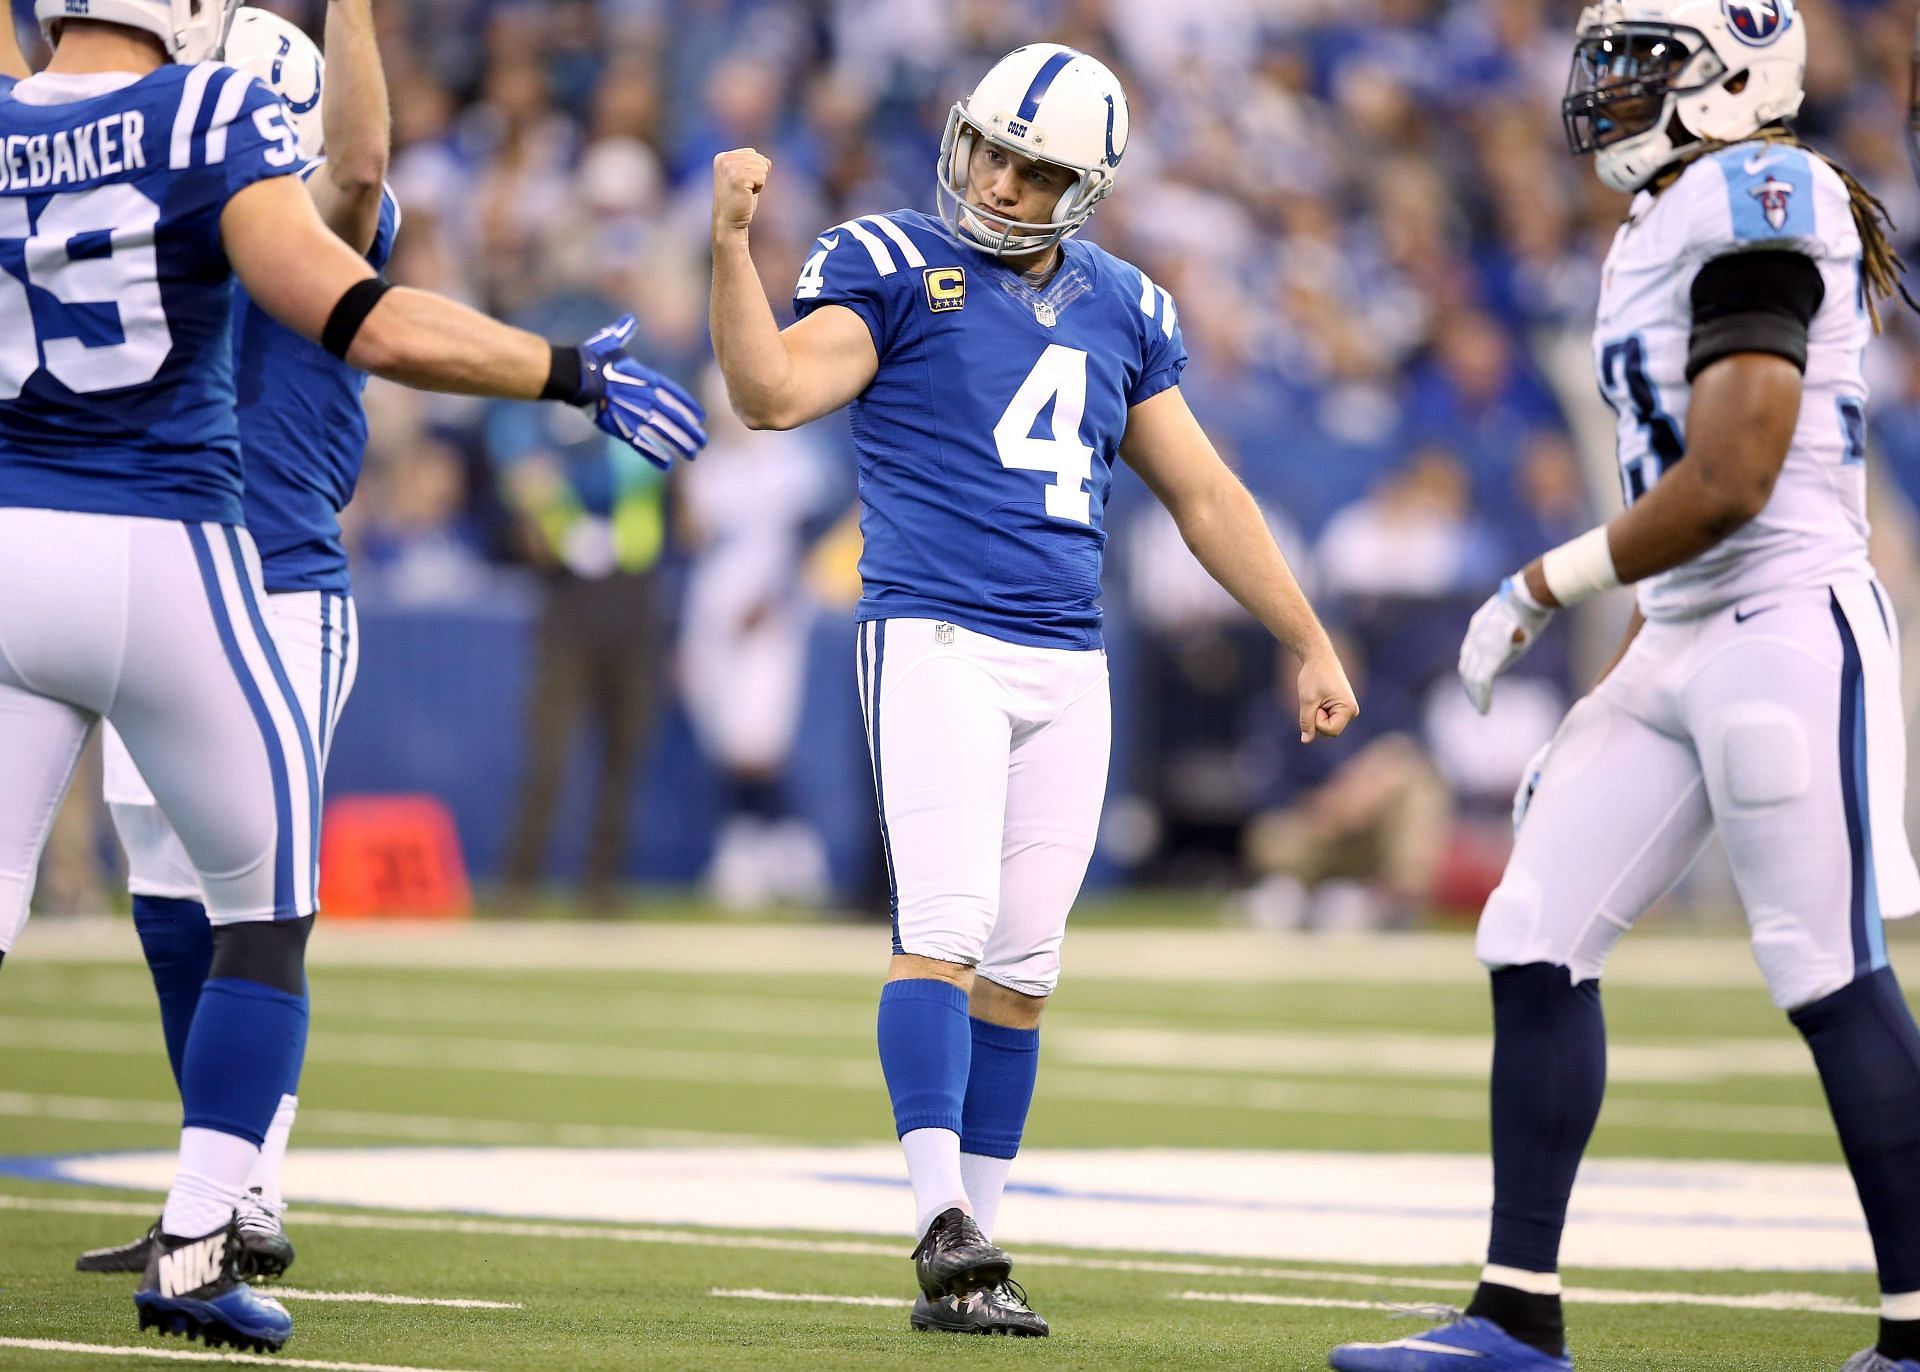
1880,264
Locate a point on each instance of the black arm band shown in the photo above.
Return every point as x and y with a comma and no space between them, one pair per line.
1754,302
343,326
564,380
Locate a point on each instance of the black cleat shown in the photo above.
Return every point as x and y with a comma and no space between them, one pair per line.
128,1257
265,1251
955,1257
998,1309
192,1289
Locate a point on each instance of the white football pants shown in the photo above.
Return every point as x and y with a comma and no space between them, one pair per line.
1776,721
990,767
317,634
159,627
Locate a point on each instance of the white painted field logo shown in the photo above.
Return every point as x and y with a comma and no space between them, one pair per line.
193,1266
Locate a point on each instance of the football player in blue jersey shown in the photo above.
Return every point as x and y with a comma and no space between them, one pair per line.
137,181
996,367
303,432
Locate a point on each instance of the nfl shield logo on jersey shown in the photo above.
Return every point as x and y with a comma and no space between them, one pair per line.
1772,195
1755,22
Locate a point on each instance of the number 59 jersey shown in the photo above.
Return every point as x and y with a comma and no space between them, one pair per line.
116,367
1756,196
988,436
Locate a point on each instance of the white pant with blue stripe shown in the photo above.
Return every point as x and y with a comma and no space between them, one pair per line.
318,637
1775,721
161,628
990,767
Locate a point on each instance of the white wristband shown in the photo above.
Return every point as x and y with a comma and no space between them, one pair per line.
1580,568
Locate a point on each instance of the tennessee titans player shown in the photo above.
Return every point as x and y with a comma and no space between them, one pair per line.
139,180
303,432
997,367
1758,692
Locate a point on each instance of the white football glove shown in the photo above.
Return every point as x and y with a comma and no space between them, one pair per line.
1498,634
1529,783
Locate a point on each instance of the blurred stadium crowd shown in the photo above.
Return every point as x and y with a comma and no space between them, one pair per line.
1385,264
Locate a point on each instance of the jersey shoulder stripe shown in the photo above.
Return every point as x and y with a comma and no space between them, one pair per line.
1761,195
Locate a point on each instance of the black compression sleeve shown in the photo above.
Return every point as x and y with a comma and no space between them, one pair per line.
1754,302
565,378
343,326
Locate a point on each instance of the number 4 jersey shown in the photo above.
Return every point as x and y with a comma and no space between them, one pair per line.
988,436
116,367
1756,196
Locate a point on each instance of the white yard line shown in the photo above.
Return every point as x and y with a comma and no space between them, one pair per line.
754,1293
373,1124
1778,1301
1803,1301
813,1071
1260,1298
294,1293
1716,960
109,1350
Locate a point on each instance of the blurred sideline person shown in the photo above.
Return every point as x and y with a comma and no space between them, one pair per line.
1757,693
302,435
745,516
129,588
996,369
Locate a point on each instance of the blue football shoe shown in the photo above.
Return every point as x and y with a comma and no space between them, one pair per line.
191,1288
1873,1360
1465,1344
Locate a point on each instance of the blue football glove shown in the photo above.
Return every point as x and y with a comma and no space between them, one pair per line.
637,405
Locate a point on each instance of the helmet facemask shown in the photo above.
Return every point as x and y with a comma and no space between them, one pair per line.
997,233
1626,85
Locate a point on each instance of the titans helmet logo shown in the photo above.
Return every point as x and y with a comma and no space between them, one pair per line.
1772,195
1757,22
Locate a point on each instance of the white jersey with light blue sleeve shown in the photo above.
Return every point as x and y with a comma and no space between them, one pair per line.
988,436
1756,196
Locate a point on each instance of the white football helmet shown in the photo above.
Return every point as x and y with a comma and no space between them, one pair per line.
190,30
1721,69
263,44
1049,103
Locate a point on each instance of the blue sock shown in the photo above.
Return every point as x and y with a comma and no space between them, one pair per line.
1549,1073
925,1053
178,942
999,1088
1867,1048
246,1044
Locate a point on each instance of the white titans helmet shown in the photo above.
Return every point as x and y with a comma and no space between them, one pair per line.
1721,69
1051,104
263,44
190,30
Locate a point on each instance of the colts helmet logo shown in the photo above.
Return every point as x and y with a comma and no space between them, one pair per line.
1772,195
1756,22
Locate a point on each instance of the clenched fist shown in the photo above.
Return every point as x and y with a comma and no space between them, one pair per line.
738,178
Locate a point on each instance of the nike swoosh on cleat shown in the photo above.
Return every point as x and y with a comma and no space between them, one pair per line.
1428,1346
1740,618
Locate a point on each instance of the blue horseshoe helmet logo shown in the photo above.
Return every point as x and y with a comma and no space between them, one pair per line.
1113,158
301,107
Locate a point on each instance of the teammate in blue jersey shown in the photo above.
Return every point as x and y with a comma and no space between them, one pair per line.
303,432
996,367
137,181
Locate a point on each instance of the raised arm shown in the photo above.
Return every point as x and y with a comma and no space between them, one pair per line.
358,128
775,379
1222,524
305,277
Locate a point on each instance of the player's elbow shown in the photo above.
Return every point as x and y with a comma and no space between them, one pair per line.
762,411
360,173
1731,504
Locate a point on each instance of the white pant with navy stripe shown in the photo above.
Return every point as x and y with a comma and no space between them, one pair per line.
318,638
159,627
990,767
1775,721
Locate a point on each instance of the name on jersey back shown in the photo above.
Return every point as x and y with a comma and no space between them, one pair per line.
103,147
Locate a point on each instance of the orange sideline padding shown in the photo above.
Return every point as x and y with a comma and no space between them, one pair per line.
392,857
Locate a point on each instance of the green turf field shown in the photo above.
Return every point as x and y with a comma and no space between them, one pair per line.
701,1040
